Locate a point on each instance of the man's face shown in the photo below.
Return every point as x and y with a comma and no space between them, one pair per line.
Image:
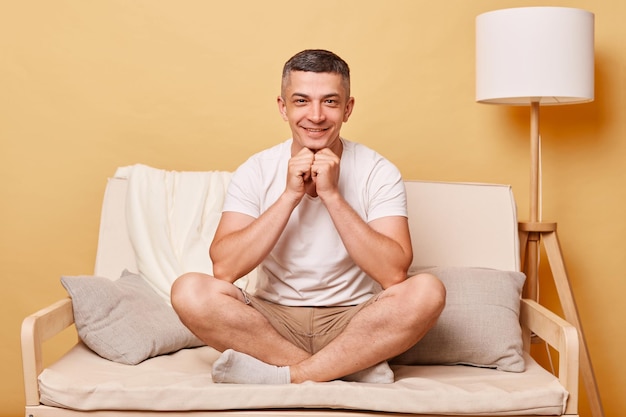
315,105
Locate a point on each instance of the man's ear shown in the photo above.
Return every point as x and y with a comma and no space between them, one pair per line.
282,107
348,109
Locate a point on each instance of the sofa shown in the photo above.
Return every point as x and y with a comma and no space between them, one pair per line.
133,357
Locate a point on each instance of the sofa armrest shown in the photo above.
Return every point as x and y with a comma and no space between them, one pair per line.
563,337
36,329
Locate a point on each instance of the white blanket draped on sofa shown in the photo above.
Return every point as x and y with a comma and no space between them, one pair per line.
172,217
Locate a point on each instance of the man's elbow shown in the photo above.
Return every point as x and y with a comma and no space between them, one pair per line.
220,267
394,278
223,272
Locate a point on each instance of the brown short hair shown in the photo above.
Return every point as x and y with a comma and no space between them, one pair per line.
317,60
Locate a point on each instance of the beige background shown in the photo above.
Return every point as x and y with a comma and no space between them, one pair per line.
87,86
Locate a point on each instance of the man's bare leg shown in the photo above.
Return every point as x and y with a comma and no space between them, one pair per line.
230,323
401,316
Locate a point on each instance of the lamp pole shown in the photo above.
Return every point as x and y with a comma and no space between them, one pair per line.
532,258
534,161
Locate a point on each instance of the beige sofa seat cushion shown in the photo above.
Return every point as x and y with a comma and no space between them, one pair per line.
182,381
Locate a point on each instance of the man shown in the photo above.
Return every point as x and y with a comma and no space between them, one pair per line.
325,220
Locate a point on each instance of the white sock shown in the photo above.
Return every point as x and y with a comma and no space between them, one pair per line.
377,374
238,368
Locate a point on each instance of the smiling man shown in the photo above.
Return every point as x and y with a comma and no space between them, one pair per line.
325,221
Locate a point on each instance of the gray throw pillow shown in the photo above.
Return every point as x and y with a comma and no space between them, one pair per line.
125,320
479,325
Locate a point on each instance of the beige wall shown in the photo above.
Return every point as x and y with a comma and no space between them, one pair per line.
86,87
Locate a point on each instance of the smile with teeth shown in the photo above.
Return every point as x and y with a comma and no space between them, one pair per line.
315,130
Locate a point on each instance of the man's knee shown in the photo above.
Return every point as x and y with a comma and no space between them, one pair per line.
196,293
427,295
436,291
183,287
190,292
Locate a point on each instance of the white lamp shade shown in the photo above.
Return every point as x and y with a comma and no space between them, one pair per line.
541,54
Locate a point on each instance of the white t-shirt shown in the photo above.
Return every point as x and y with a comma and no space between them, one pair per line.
309,266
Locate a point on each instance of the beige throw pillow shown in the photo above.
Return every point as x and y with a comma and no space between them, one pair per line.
125,320
479,325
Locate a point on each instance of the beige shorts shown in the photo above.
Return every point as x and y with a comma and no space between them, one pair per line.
309,328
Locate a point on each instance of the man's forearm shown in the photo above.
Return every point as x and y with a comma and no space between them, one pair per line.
237,253
382,257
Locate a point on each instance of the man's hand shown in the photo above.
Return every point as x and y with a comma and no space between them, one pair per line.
325,172
299,173
313,172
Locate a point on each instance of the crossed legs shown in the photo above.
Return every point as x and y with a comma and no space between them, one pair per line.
217,313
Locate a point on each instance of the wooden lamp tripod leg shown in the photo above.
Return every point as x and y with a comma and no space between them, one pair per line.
566,297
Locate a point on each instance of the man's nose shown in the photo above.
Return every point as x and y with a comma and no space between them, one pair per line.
316,114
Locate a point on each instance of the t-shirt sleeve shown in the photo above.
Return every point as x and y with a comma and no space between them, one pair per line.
386,192
242,195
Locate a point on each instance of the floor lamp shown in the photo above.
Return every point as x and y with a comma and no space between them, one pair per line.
535,56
